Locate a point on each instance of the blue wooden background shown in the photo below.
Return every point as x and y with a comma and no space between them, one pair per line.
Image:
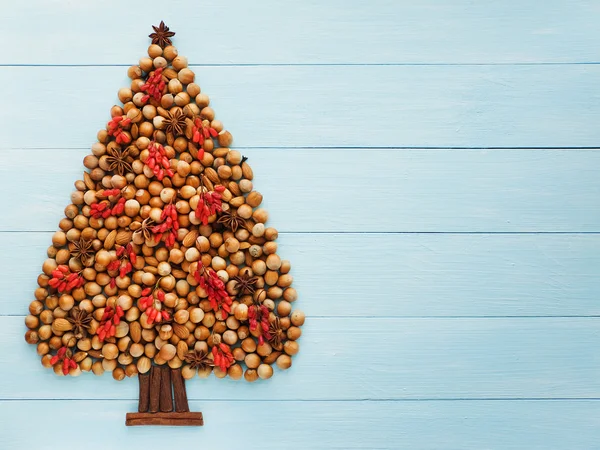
431,166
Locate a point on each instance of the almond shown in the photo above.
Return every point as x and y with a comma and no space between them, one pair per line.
226,195
89,183
182,350
151,261
220,152
190,238
95,353
247,171
123,237
181,331
135,331
208,184
212,175
61,325
179,274
234,188
170,73
237,201
271,357
110,240
79,356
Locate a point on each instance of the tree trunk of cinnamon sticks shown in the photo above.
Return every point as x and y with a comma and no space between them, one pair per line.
157,391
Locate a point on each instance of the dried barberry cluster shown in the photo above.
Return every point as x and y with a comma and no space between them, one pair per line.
163,256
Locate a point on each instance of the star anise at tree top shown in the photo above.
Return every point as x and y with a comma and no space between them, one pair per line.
81,321
245,284
81,250
277,334
118,160
161,35
231,220
199,360
175,122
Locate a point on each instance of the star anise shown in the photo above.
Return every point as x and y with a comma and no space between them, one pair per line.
175,122
118,160
245,284
277,334
199,360
146,229
161,35
81,321
81,250
231,220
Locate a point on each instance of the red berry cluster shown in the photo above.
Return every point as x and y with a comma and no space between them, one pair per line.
106,208
124,262
158,161
63,280
64,356
151,306
215,289
200,132
209,204
222,356
154,86
169,227
108,324
116,127
258,315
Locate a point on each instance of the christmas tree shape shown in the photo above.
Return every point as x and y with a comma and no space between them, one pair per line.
163,266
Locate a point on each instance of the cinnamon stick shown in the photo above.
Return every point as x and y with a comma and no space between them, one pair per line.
181,401
166,395
165,419
155,376
144,397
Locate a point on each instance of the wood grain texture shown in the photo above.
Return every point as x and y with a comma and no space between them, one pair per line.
381,275
306,31
534,425
366,190
331,106
368,358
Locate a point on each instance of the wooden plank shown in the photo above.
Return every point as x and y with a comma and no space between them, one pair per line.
400,275
365,190
306,31
367,358
330,106
168,419
534,425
